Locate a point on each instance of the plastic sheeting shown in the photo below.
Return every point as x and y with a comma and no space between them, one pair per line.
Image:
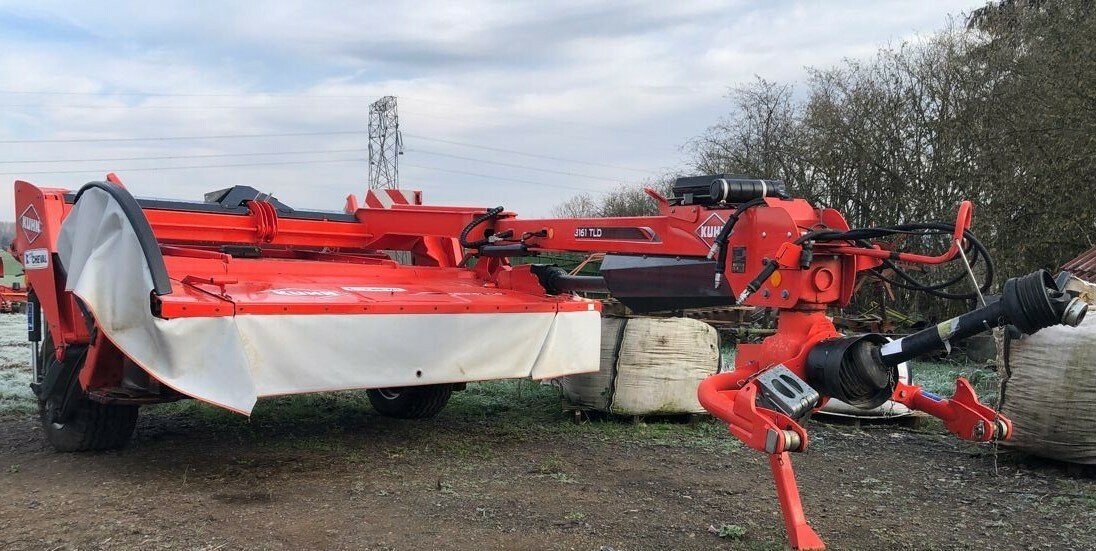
648,366
1049,389
232,361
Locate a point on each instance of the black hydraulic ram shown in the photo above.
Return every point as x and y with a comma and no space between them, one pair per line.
719,189
556,280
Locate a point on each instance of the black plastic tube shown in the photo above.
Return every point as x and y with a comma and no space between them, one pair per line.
1030,303
556,280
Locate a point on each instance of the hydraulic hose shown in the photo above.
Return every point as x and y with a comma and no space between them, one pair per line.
719,245
491,213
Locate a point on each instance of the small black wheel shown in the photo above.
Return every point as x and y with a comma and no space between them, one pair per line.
90,426
410,402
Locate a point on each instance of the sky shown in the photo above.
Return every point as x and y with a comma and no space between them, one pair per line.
500,103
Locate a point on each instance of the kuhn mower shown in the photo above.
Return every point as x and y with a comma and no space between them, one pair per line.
239,296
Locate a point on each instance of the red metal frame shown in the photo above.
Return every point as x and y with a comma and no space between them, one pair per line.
11,299
338,267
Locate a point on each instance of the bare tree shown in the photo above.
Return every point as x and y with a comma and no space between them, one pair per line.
1000,110
579,206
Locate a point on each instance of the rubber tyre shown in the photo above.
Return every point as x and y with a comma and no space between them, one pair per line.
91,427
411,402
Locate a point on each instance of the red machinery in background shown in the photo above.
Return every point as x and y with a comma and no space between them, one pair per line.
13,298
719,240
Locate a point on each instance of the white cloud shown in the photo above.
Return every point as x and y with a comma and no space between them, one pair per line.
609,83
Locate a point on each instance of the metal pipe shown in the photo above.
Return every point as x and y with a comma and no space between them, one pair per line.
556,280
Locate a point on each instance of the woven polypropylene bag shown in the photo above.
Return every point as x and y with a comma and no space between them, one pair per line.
1049,391
648,366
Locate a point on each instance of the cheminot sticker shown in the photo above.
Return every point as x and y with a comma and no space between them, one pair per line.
375,289
35,259
304,292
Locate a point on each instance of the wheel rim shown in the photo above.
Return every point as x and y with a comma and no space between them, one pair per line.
388,393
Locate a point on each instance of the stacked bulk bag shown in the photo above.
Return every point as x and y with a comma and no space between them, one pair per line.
649,366
1048,387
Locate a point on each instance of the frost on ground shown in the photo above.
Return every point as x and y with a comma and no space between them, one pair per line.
15,394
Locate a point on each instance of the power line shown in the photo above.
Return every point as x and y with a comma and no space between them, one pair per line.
182,95
166,138
428,113
309,105
305,152
166,157
512,165
501,113
264,96
526,154
436,169
331,133
503,179
172,107
148,169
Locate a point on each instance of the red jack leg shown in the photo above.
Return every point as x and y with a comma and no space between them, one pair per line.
800,534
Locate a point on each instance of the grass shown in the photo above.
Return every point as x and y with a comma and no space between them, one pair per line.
514,409
495,411
15,395
13,270
939,378
730,531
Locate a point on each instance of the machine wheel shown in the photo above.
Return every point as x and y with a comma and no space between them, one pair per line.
90,426
410,402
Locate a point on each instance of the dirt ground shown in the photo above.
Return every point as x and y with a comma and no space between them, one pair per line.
503,468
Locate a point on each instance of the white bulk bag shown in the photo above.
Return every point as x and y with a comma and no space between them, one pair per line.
1048,389
648,366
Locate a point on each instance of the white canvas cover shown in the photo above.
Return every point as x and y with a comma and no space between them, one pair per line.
231,361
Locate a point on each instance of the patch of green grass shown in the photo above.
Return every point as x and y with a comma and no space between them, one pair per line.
331,410
521,403
730,531
939,378
548,467
13,270
465,448
495,411
563,478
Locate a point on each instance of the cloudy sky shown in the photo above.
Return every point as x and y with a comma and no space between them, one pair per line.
500,103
